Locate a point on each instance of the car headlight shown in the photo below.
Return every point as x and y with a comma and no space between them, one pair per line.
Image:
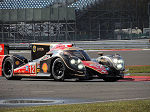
77,63
73,61
80,66
120,61
119,66
115,60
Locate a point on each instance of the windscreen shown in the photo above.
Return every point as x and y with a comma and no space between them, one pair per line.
80,54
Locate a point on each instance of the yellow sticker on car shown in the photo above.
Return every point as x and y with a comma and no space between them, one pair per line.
34,48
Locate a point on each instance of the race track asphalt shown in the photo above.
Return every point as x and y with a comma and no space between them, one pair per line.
85,91
81,91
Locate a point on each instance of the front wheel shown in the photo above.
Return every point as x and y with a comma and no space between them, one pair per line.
8,68
58,70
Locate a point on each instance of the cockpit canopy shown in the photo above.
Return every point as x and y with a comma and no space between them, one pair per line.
81,54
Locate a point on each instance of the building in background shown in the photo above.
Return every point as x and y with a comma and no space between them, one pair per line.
63,20
36,20
146,31
149,13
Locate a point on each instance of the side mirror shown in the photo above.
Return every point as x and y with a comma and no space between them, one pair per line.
100,53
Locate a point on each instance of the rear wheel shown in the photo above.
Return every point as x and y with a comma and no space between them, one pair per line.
8,68
58,70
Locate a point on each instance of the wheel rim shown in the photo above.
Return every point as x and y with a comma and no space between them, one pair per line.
59,69
8,68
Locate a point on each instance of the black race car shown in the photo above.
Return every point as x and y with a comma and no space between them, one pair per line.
60,61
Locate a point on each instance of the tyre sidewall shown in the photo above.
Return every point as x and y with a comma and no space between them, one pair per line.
10,60
61,78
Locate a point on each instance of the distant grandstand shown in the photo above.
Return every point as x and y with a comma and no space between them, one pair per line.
67,20
100,19
17,4
36,20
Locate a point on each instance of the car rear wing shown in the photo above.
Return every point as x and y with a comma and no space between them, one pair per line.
4,49
37,49
40,49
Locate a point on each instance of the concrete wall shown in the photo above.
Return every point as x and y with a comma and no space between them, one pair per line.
37,14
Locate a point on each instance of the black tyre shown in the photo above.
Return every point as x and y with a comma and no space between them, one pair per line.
110,79
58,70
8,68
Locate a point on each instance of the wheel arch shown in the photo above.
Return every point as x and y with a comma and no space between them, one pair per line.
52,61
54,58
3,62
11,76
11,56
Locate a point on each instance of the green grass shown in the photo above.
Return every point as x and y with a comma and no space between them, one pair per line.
118,106
134,70
135,74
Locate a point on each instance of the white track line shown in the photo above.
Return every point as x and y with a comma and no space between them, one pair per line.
108,101
121,50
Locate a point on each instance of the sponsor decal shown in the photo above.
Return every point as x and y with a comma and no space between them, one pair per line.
27,68
1,48
38,65
40,49
17,62
44,67
46,57
38,70
34,48
96,66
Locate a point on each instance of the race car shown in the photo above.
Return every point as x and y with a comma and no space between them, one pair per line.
59,61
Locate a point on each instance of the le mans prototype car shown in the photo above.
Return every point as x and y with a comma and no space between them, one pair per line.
60,61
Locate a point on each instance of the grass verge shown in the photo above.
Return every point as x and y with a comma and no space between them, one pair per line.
139,70
118,106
